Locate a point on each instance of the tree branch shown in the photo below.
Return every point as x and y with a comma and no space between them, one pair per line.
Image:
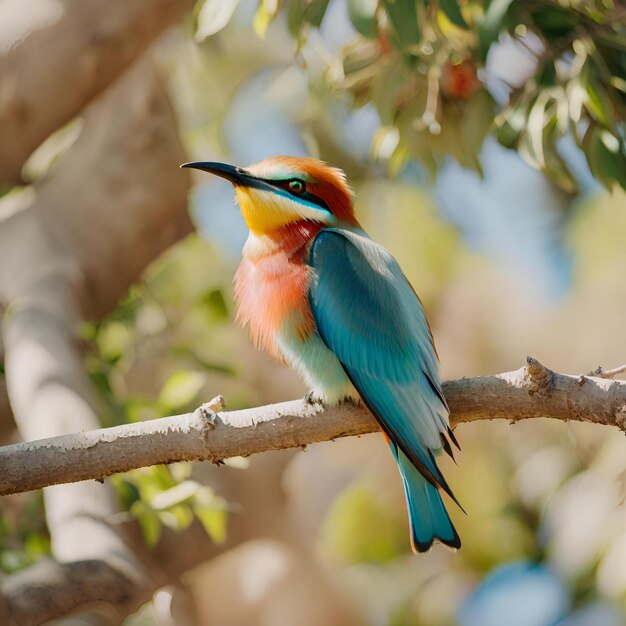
532,391
88,237
51,589
600,372
87,45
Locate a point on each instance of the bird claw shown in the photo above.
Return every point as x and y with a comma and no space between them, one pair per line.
311,398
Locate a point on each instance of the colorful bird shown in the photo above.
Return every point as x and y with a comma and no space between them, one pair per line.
316,292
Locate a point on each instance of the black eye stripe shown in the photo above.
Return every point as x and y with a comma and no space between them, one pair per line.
286,185
306,194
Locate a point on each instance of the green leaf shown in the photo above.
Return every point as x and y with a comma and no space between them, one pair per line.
478,115
215,303
361,64
100,380
453,13
618,83
387,85
510,124
554,166
264,15
531,146
535,134
556,169
13,560
177,517
556,22
127,492
304,13
599,103
149,522
449,141
315,12
181,389
36,545
344,534
212,511
538,143
213,16
547,74
363,17
606,155
151,480
114,339
490,25
295,17
213,519
404,23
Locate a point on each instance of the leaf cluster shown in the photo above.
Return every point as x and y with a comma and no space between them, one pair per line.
423,64
152,357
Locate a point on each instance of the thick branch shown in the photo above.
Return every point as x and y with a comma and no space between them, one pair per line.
89,236
87,45
533,391
51,589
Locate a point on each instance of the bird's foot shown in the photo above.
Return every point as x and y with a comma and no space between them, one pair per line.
311,398
209,410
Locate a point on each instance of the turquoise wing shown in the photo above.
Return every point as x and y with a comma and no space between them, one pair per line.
367,313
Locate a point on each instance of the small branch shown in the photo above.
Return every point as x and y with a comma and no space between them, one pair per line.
539,374
50,589
600,372
532,391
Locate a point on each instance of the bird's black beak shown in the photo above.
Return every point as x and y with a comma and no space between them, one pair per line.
236,175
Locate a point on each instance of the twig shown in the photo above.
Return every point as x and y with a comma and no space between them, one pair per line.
600,372
532,391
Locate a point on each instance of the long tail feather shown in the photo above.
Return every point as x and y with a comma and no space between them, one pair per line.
428,518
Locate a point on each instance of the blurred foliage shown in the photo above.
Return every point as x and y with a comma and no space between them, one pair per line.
171,318
24,537
360,528
535,493
161,351
167,496
422,64
427,248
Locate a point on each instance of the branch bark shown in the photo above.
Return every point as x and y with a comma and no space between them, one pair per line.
51,589
87,45
600,372
532,391
88,237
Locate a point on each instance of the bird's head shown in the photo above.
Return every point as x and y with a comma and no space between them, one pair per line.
283,190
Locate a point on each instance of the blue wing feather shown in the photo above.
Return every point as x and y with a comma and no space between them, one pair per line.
368,314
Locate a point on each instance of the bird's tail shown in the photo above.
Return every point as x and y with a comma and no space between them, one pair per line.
428,517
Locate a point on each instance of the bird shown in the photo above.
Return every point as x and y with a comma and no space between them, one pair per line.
316,292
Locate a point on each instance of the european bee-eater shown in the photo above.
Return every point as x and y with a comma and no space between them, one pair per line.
316,292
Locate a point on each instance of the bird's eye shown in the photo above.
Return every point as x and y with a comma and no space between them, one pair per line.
297,186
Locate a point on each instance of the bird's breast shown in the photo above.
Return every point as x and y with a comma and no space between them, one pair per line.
271,293
271,288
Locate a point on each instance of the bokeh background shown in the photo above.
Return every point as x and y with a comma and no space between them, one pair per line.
505,210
